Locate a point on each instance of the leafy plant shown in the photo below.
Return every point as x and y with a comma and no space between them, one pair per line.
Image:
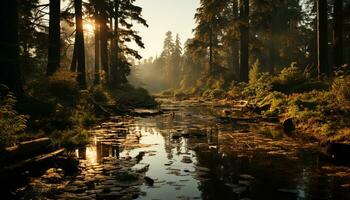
11,123
341,88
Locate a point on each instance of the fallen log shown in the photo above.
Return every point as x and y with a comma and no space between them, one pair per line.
25,149
30,162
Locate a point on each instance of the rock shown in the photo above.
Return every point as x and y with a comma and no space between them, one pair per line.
288,125
246,177
149,181
239,190
186,159
244,183
140,168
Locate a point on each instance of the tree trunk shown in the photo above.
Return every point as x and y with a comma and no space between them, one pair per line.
235,44
115,50
235,57
272,52
104,43
211,67
80,44
244,37
10,73
54,52
338,33
73,66
322,39
97,46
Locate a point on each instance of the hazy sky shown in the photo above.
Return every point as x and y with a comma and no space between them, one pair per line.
166,15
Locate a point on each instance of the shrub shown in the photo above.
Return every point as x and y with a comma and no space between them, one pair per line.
290,80
61,88
291,75
167,93
254,73
260,84
214,94
100,94
134,97
277,102
180,95
72,138
11,123
341,88
64,86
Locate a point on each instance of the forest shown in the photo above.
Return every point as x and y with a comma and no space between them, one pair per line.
254,105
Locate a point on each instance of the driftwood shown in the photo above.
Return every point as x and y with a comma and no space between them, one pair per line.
25,150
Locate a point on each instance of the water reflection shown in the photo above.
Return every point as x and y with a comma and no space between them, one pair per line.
191,155
96,152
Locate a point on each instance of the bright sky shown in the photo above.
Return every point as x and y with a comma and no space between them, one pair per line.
166,15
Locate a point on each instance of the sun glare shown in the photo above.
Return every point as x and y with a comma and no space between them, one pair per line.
89,27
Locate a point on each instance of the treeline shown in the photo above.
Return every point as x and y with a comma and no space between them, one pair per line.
231,35
39,39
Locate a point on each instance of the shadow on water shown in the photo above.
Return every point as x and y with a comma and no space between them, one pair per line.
188,154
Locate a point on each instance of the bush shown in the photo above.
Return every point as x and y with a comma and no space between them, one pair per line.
73,138
291,75
214,93
290,80
167,93
11,123
260,84
276,101
180,95
100,95
61,88
134,97
254,73
341,88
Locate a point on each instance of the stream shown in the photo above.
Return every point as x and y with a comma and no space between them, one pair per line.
189,153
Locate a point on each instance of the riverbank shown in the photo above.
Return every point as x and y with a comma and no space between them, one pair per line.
307,107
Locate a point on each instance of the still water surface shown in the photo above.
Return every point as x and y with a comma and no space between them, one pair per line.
193,155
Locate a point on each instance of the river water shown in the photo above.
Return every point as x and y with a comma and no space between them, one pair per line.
190,153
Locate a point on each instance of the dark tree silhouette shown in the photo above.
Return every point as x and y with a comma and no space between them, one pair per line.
79,48
104,38
322,38
244,37
10,73
54,37
338,33
97,44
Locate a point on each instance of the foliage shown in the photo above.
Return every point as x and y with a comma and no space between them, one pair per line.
11,123
255,73
341,88
100,94
214,93
71,138
276,101
82,115
127,95
61,88
291,75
